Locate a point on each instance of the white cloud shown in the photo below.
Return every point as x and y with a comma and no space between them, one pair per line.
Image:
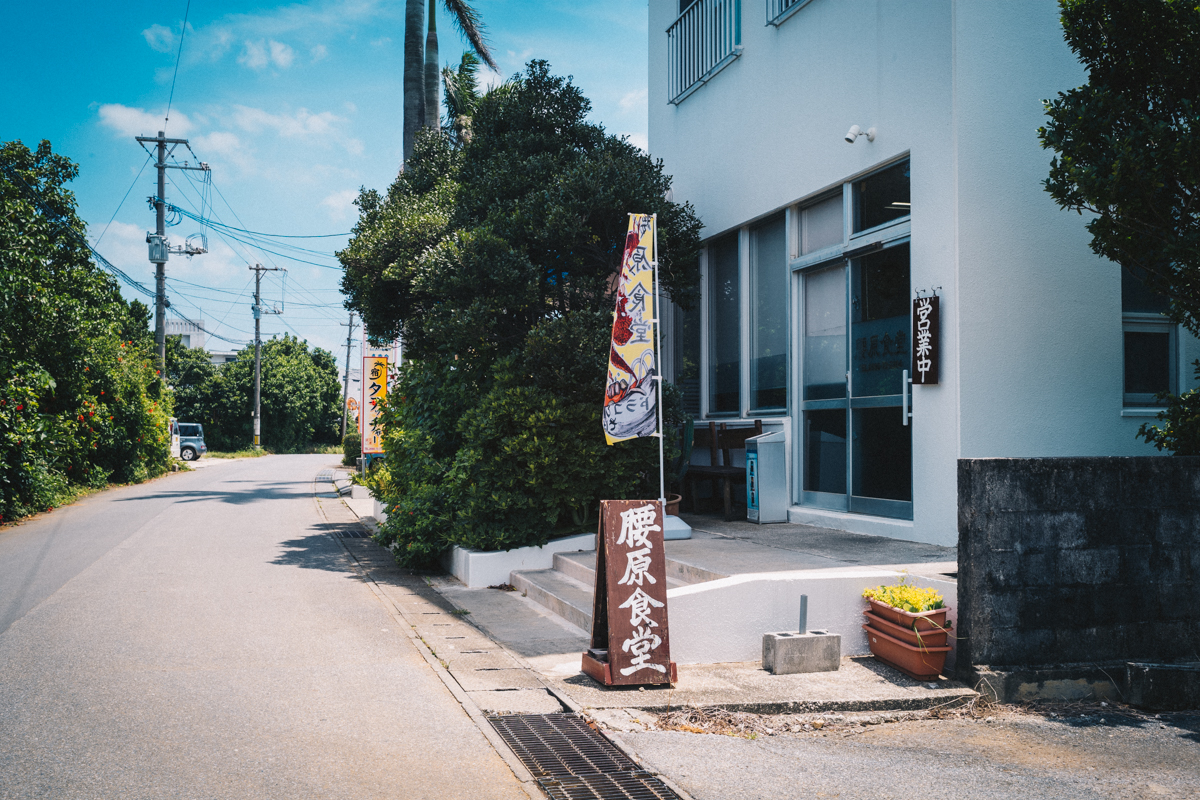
281,55
130,121
160,38
220,142
341,204
638,140
257,55
318,53
254,55
635,100
381,41
302,123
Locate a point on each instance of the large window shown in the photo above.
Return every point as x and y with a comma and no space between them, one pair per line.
882,197
724,325
769,315
687,357
821,225
1149,343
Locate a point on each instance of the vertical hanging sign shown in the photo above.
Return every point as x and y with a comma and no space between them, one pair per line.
374,391
631,391
630,643
926,346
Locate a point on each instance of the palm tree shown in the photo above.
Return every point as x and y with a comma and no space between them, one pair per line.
462,96
420,63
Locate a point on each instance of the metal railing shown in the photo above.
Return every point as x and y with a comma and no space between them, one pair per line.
779,10
705,38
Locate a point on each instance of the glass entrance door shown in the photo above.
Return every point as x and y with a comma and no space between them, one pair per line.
857,451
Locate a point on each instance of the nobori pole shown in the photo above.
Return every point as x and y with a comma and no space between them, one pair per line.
658,316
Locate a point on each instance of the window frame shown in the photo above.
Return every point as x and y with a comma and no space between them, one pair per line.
1149,322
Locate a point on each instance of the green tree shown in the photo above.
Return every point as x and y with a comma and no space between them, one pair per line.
495,257
301,395
80,402
1127,143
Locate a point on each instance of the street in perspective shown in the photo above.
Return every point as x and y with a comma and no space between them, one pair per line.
692,400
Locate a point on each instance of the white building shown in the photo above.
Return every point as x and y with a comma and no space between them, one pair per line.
190,332
816,248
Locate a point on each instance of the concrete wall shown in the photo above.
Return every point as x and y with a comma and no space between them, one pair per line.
1032,343
1078,560
725,619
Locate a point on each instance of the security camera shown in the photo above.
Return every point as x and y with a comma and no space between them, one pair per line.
856,132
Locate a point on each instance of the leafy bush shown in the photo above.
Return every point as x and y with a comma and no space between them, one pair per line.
351,448
1180,432
81,403
496,261
526,462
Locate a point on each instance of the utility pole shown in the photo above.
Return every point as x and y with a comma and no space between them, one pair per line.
259,269
160,248
346,389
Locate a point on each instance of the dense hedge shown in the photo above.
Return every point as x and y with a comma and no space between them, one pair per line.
496,261
81,403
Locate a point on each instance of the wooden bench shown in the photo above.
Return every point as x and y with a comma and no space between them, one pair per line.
721,441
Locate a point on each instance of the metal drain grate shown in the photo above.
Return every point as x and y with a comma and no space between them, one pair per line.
612,786
324,475
560,744
570,760
352,532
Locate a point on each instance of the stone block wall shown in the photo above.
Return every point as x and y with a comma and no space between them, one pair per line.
1078,560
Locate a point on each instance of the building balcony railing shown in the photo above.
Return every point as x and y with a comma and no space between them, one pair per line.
779,10
705,39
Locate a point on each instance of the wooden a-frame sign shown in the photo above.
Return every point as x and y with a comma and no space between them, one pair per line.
630,642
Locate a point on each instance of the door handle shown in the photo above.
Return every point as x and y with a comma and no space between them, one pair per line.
905,388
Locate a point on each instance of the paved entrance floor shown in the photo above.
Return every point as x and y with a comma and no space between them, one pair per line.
737,548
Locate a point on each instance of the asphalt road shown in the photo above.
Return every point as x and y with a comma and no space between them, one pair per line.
202,636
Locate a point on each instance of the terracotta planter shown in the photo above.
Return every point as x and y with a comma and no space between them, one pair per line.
672,508
921,621
921,638
921,663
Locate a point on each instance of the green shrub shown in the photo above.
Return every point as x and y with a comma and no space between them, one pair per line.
351,448
1180,432
528,461
495,260
81,403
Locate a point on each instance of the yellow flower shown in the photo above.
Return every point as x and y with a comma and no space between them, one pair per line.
905,597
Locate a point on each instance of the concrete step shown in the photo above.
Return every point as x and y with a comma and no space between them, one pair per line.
581,566
565,596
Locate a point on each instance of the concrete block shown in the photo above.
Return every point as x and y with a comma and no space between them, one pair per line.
675,528
792,652
360,492
1163,687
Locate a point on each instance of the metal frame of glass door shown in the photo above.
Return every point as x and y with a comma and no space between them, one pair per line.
850,502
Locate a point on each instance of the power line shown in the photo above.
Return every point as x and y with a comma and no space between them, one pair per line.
123,199
178,57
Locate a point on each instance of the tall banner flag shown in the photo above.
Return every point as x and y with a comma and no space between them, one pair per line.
631,392
374,391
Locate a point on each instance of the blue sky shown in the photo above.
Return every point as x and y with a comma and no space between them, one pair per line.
294,106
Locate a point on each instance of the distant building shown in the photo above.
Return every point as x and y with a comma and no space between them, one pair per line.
219,357
190,332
